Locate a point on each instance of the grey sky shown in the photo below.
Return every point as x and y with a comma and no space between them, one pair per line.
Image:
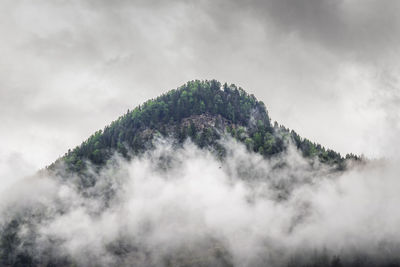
328,69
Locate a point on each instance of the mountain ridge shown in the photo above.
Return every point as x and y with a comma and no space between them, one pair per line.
178,113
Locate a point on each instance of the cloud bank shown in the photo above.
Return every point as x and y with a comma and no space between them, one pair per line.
177,206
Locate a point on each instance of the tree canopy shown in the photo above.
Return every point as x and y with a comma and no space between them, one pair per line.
244,117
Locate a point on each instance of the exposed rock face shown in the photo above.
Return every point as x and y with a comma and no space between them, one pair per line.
206,120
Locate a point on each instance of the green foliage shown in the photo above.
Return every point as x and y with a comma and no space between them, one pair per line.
247,118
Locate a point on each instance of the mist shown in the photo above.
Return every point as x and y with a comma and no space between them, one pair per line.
185,206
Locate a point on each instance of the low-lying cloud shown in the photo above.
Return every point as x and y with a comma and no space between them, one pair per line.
184,206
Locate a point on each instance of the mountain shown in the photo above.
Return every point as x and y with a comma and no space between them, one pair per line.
204,197
202,111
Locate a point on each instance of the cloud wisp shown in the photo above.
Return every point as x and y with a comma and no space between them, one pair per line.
183,205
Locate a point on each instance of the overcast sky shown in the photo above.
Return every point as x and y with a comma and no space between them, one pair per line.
328,69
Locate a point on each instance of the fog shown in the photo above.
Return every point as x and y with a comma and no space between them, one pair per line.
327,69
182,205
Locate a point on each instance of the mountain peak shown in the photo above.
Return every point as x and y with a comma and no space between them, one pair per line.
201,111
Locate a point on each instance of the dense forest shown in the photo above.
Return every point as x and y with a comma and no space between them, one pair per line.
178,114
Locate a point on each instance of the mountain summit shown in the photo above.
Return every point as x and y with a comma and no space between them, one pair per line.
202,111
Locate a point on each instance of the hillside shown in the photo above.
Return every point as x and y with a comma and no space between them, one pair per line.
202,111
139,193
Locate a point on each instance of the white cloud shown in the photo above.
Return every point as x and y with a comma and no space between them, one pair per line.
246,207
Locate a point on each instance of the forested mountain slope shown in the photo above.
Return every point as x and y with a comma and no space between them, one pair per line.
238,194
203,111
